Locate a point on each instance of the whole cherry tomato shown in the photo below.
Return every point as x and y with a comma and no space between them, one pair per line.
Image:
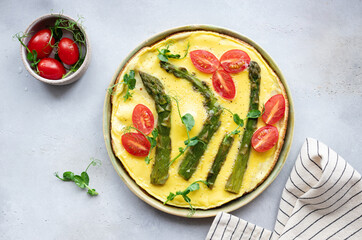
68,51
51,68
42,43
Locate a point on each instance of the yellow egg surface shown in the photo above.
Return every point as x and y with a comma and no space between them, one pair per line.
191,101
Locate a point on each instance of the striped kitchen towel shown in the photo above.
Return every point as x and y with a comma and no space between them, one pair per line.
321,200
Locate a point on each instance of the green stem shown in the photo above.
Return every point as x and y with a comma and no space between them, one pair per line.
235,180
155,89
194,153
219,159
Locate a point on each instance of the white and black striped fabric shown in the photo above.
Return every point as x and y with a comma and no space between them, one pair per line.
321,200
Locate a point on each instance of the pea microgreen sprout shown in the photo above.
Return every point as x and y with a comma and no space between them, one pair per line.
129,81
81,180
188,121
240,122
164,54
192,187
78,37
152,139
32,56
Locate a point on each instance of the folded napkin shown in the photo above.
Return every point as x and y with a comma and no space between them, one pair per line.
321,200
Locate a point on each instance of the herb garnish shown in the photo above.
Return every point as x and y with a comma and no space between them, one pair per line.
78,37
31,55
129,81
81,180
240,122
164,54
188,121
193,187
152,139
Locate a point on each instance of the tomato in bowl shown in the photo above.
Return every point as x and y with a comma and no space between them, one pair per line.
38,46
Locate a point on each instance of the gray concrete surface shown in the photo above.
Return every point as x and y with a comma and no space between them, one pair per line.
43,128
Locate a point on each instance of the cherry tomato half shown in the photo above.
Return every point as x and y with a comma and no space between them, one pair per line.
235,61
136,144
41,43
204,61
68,51
265,138
274,109
51,68
223,84
142,119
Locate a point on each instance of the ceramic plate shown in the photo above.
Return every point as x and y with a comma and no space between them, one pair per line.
230,206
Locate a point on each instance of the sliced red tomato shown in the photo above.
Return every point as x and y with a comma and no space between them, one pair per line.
223,84
51,68
142,119
41,43
274,109
136,144
265,138
204,61
235,61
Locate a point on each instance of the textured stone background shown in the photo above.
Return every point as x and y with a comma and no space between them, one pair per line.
43,128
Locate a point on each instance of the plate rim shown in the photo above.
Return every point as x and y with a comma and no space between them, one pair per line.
227,207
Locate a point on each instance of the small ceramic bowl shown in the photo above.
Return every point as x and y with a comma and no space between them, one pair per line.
234,204
45,22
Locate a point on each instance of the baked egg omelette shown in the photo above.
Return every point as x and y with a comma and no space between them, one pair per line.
198,119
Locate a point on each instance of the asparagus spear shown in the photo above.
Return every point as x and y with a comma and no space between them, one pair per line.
234,182
219,159
192,156
156,90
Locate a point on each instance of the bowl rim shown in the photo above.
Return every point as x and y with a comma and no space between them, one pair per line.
227,207
72,77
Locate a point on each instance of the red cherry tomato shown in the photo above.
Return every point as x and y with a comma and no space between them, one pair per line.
68,51
51,68
235,61
265,138
142,119
41,43
204,61
136,144
274,109
223,84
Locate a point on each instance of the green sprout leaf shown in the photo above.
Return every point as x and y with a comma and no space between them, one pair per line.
255,113
85,177
68,176
92,192
192,187
30,56
129,81
188,120
238,120
153,142
81,180
164,54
